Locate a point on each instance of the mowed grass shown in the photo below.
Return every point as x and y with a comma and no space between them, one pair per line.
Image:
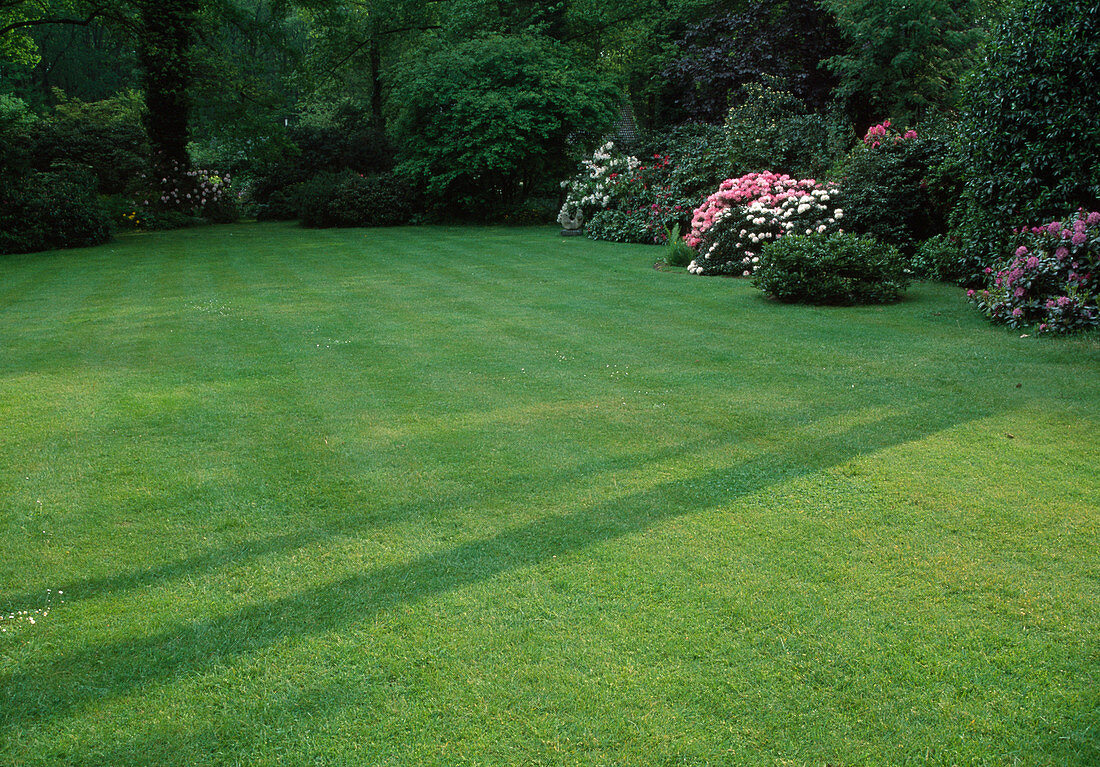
444,496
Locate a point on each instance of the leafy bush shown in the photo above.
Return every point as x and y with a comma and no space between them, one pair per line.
480,122
698,156
627,225
893,188
732,242
104,136
332,142
44,211
1052,279
17,122
1028,130
530,212
771,128
349,199
939,258
831,269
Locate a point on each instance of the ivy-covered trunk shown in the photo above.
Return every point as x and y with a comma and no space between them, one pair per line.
165,40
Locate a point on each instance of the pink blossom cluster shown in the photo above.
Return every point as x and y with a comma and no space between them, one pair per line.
877,134
767,187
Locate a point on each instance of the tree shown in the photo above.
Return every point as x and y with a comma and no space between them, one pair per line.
481,122
904,58
784,39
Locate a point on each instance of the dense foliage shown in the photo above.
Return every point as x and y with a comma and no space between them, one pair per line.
482,123
1029,132
44,211
784,39
894,187
352,199
831,269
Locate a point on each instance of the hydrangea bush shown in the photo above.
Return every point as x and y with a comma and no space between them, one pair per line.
734,223
1051,280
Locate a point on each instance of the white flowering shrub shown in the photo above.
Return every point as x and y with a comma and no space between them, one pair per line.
601,179
731,243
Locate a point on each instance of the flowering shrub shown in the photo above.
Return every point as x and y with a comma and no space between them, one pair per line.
605,176
623,199
767,186
894,189
188,193
1050,281
831,269
729,235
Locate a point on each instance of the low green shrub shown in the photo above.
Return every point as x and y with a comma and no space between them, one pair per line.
351,199
44,211
940,258
831,269
624,225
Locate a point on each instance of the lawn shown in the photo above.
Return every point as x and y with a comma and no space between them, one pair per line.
443,496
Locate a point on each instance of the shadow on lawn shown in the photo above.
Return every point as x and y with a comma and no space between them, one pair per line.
60,686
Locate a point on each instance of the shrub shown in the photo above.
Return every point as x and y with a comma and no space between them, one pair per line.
767,186
480,121
349,199
771,128
893,188
44,211
732,243
624,199
104,136
17,122
627,225
1028,129
1052,279
180,197
940,258
831,269
698,156
603,179
332,142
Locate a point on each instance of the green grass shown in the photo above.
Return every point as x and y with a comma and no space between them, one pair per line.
450,496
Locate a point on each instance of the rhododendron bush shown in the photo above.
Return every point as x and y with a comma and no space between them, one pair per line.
732,224
1051,280
624,199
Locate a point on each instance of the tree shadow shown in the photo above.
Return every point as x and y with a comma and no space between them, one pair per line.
59,686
